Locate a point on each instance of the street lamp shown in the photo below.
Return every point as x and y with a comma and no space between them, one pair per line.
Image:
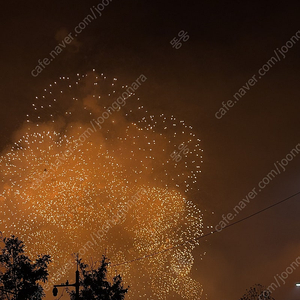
76,284
55,291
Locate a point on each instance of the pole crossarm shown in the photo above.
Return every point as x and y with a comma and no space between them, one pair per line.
76,285
64,285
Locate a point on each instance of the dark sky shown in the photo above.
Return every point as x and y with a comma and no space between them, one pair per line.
229,42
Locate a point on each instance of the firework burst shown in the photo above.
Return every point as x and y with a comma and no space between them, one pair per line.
82,155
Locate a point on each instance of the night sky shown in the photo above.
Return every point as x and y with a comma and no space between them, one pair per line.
228,44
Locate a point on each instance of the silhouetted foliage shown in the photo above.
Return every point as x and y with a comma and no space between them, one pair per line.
95,286
19,276
257,292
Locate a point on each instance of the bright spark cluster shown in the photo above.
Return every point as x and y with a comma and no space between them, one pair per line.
55,191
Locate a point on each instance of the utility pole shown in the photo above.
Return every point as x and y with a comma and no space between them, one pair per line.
76,284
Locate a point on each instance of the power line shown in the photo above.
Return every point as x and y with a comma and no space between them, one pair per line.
207,234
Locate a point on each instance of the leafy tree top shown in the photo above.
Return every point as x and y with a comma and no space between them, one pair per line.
95,286
257,292
19,276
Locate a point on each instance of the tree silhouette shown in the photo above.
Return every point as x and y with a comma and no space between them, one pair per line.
94,284
19,276
257,292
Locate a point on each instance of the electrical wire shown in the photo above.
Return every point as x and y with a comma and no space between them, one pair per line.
208,234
